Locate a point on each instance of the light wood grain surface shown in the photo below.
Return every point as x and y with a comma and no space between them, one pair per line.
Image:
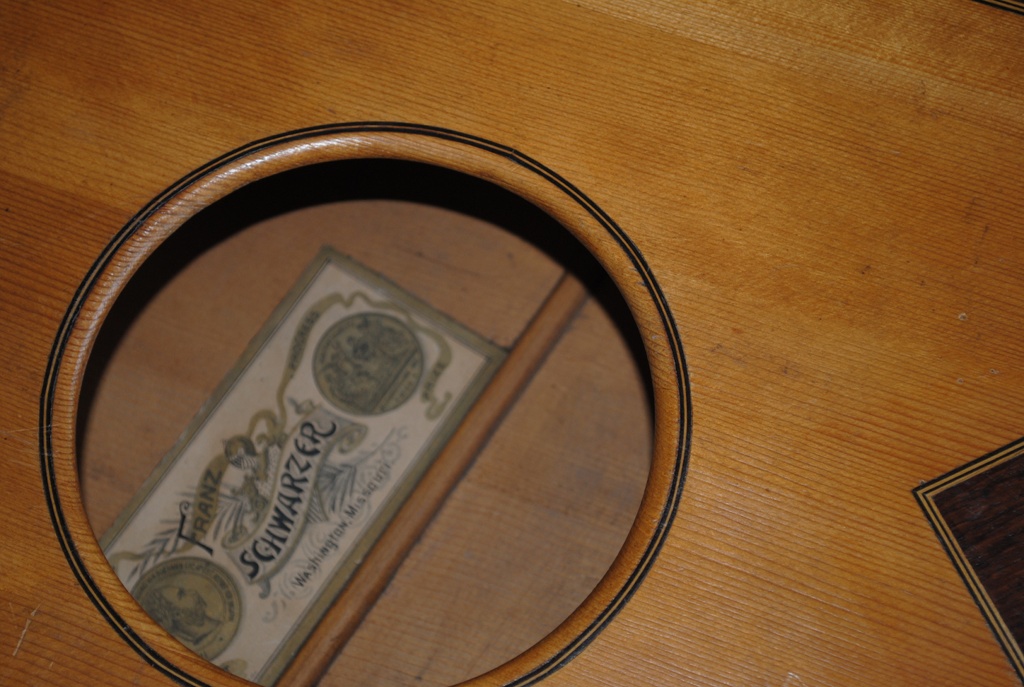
828,197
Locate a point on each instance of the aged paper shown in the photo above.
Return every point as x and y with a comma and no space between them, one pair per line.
251,525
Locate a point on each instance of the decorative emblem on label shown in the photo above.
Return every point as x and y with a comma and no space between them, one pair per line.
368,364
195,600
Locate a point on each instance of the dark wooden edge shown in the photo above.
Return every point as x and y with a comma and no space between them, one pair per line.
925,495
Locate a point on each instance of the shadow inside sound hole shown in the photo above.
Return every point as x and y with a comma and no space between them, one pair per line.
349,180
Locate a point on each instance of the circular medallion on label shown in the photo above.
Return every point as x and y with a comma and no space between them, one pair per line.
368,364
195,600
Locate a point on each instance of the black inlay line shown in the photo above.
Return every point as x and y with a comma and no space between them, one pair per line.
47,400
1008,5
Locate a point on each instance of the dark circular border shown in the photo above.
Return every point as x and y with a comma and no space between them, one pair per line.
47,396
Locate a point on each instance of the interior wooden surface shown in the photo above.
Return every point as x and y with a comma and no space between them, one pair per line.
827,194
177,334
530,531
546,505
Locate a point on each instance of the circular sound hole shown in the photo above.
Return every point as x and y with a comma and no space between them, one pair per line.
530,528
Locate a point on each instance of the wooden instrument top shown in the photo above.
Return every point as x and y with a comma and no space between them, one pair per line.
821,202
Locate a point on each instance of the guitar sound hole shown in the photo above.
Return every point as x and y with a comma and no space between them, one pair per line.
537,519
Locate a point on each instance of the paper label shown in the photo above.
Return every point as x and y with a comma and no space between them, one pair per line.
247,530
